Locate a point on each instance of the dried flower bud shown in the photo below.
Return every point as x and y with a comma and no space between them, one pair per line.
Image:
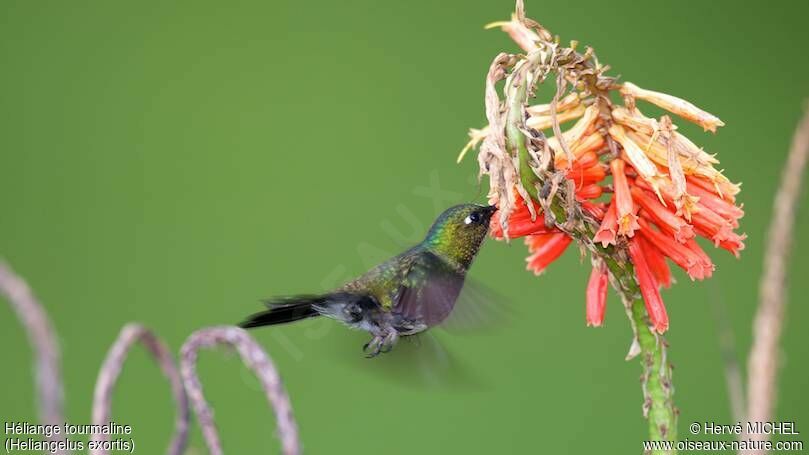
543,122
637,157
581,137
676,174
522,35
674,105
570,101
476,136
659,154
635,120
688,149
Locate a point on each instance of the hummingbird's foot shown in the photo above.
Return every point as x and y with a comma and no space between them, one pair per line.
380,344
389,341
373,347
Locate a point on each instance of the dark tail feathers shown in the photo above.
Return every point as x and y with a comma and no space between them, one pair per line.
285,310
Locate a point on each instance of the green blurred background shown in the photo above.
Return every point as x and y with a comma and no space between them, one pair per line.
173,163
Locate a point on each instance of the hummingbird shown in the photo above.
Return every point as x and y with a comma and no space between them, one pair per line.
403,296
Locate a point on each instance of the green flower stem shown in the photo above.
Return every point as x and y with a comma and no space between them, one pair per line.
656,379
515,118
656,382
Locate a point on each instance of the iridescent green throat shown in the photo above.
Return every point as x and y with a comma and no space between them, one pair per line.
452,243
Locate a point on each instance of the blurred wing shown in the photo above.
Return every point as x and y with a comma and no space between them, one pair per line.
423,360
429,290
436,293
418,361
477,308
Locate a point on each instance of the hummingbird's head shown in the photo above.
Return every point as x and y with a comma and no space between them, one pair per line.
460,230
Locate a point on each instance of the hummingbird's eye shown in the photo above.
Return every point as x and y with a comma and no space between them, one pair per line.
473,217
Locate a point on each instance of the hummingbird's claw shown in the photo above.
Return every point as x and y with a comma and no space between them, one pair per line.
389,341
373,347
380,344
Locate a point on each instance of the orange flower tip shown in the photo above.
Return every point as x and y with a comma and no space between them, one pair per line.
684,233
734,246
606,237
594,323
662,327
696,272
537,271
724,233
606,232
700,265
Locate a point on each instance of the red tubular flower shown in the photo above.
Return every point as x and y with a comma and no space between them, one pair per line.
718,215
520,227
591,191
625,208
586,169
714,226
520,223
586,160
734,243
712,201
596,210
676,251
662,216
657,262
704,259
546,248
608,229
648,287
596,296
710,187
583,176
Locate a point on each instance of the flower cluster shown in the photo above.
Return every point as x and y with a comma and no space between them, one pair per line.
664,192
647,188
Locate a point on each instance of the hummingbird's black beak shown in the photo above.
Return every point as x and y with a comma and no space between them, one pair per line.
490,210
